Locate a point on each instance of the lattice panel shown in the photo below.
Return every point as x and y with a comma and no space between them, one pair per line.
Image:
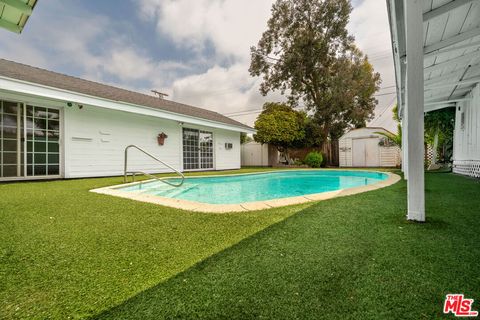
467,167
428,155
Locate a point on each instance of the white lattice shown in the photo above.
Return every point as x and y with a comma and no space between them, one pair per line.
467,167
429,155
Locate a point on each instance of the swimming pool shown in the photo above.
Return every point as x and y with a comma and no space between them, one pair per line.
238,189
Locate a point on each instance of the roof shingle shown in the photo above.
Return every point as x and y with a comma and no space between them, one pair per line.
44,77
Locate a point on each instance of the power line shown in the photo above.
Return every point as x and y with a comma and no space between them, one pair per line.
253,111
247,112
381,114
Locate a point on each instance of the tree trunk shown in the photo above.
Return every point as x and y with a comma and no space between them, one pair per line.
324,134
435,147
284,152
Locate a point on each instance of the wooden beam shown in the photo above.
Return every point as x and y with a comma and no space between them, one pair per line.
465,58
454,75
438,107
444,9
452,40
475,44
433,102
19,5
452,83
415,109
10,26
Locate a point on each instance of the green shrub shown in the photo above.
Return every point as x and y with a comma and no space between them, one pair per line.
314,159
298,162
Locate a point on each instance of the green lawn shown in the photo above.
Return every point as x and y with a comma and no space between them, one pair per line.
66,252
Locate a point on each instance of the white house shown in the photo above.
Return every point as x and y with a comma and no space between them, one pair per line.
57,126
466,139
364,147
437,65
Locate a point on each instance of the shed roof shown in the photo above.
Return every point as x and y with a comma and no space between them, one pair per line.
370,129
18,71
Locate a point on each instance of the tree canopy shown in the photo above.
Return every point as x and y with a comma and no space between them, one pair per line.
307,54
280,126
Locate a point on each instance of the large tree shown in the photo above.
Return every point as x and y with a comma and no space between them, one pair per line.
307,53
280,126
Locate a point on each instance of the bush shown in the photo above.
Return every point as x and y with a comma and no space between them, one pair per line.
314,159
298,162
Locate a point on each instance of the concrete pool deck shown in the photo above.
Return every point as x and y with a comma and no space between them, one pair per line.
241,207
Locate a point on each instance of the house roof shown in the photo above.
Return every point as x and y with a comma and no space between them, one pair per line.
18,71
14,14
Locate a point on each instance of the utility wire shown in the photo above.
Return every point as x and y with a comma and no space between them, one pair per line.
253,111
386,108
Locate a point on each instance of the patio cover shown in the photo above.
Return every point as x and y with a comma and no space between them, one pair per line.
14,14
437,63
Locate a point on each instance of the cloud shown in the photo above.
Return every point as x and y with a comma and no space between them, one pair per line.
127,63
65,37
369,25
198,51
231,27
222,89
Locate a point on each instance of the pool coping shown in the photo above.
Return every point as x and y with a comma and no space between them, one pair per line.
246,206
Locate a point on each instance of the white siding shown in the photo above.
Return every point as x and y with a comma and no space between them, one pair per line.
345,149
95,140
387,156
466,143
226,159
254,154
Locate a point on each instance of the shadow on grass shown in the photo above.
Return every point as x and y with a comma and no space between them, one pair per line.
239,282
345,258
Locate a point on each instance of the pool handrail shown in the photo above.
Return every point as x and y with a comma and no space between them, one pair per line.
134,173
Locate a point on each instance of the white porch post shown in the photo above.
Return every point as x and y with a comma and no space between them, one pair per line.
414,110
405,145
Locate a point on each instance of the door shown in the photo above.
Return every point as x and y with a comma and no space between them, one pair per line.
29,141
365,153
372,156
197,149
11,142
43,141
358,153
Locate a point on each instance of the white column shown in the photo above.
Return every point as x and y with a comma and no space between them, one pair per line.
404,145
414,109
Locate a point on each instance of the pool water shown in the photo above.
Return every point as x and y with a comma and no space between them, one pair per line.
237,189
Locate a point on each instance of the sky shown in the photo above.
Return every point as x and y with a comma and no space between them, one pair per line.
198,52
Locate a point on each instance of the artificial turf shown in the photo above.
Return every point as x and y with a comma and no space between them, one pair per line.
65,252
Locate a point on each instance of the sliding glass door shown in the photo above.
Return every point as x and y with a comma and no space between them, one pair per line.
197,149
11,143
43,141
29,141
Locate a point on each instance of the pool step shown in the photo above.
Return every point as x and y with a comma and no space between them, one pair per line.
178,191
167,191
